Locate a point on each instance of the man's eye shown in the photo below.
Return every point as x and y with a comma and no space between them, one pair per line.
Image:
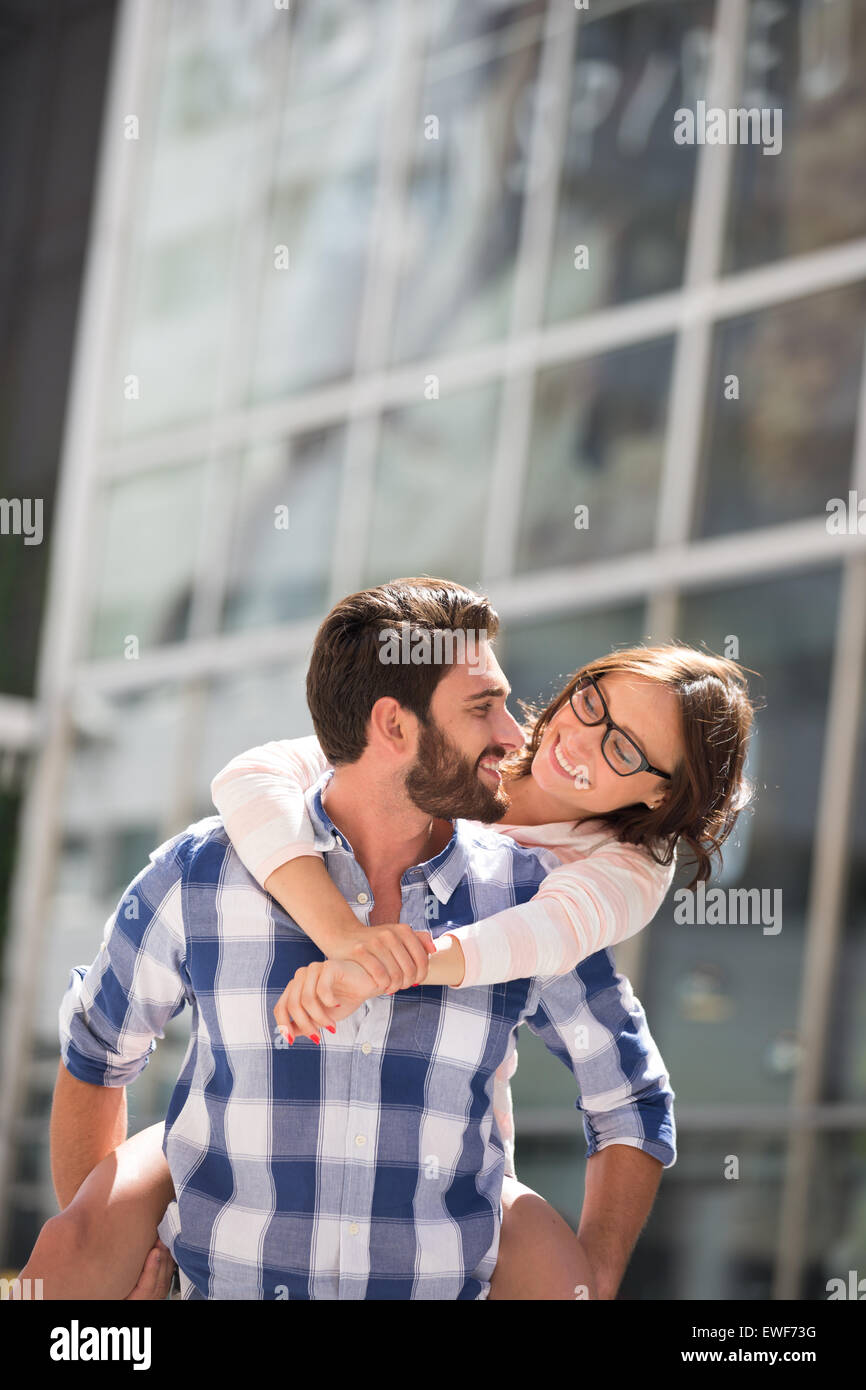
483,709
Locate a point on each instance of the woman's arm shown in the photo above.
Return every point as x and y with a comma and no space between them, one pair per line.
260,796
583,906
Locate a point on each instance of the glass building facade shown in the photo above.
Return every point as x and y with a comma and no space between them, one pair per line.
385,288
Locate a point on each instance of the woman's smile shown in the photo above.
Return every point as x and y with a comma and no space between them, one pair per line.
575,773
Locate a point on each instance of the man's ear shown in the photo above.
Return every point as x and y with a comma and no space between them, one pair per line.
391,727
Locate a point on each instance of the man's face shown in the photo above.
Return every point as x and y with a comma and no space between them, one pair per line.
456,768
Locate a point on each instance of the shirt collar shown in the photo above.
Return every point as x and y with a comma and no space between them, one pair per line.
444,872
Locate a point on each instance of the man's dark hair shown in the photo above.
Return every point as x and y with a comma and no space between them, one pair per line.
353,662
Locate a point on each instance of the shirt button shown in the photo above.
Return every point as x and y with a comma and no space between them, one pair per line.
362,898
360,1140
353,1229
366,1048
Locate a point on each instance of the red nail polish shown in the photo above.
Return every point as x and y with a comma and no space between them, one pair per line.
331,1029
291,1040
315,1038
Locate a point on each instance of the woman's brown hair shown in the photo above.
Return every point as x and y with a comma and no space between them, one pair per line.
708,789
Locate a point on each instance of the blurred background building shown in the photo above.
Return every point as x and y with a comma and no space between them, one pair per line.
379,287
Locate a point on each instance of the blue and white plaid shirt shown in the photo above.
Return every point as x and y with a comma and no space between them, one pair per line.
369,1167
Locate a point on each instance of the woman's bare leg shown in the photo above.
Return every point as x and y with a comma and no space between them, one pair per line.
540,1256
97,1245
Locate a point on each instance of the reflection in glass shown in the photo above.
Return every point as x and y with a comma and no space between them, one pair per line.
625,186
338,51
282,535
540,657
451,22
836,1222
597,444
148,549
431,489
712,1235
215,66
723,997
458,243
311,286
782,446
247,709
217,79
805,59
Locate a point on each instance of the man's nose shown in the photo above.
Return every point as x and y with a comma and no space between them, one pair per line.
508,732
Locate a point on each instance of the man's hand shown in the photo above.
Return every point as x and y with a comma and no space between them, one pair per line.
154,1281
321,993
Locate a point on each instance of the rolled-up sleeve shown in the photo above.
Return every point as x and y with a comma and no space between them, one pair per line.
592,1021
114,1010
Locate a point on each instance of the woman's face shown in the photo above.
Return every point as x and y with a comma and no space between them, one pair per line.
570,768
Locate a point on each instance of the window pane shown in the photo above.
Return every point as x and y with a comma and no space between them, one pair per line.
338,53
217,74
723,997
214,67
784,447
807,59
452,22
540,657
710,1236
282,535
431,488
465,197
149,542
836,1225
597,442
626,187
245,710
310,292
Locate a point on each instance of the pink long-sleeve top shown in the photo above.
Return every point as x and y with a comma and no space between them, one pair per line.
603,891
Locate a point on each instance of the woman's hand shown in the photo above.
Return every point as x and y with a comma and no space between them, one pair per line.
394,956
320,994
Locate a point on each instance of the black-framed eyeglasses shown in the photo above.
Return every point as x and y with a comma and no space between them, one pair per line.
619,751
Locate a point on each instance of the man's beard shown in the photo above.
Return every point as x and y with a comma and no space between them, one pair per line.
443,783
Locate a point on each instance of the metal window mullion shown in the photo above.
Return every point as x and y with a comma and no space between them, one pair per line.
363,432
827,885
692,354
547,143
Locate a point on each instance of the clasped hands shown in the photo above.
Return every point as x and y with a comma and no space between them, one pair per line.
362,963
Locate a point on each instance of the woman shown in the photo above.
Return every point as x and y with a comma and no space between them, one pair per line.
584,786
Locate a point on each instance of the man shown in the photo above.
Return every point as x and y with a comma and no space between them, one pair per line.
367,1167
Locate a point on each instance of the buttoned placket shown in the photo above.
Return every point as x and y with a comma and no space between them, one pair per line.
367,1031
